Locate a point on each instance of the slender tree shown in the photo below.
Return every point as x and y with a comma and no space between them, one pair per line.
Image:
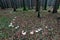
38,7
21,3
28,4
56,6
7,3
32,4
2,4
38,14
24,6
45,5
14,5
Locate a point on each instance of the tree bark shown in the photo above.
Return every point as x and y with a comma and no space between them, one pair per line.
2,4
24,7
14,5
56,6
45,6
37,9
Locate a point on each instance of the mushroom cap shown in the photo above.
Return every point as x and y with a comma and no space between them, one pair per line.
23,33
32,32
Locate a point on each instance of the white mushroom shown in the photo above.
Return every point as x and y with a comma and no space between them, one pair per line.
12,26
36,31
46,26
39,29
16,27
23,33
15,17
11,23
32,32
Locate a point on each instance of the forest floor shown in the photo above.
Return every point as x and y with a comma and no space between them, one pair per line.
28,21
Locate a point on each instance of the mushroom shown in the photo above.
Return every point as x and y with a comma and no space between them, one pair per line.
23,33
32,32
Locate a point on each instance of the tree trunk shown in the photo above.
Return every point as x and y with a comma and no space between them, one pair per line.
24,7
56,6
32,4
14,9
7,3
2,4
45,6
37,9
38,14
14,5
28,4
